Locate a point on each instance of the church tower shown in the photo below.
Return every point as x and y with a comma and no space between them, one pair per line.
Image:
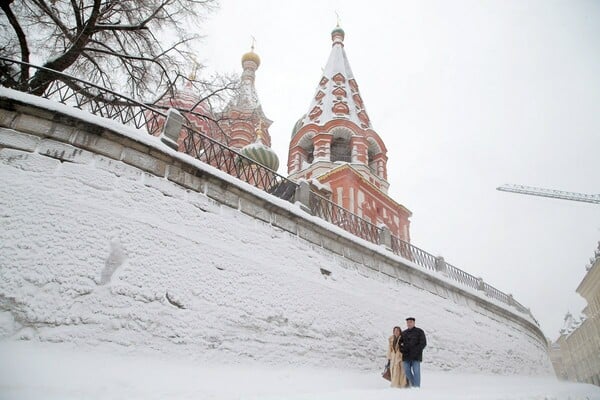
242,125
335,143
243,116
244,121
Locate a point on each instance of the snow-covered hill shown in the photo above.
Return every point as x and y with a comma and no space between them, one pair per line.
95,252
90,257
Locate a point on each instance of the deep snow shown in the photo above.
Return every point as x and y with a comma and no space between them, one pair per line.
59,371
103,253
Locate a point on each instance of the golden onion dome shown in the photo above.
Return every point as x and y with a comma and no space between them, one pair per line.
251,56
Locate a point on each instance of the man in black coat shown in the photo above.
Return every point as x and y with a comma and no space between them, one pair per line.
413,343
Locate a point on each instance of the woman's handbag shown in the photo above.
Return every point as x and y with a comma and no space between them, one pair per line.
386,374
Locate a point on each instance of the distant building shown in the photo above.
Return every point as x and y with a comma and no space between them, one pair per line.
335,144
578,357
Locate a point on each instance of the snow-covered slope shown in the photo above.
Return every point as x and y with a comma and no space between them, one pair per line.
100,252
91,257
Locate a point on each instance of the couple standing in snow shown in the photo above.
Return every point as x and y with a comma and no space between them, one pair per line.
405,353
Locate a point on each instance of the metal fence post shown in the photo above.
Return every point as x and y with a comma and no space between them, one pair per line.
172,128
511,300
480,284
302,196
385,237
440,265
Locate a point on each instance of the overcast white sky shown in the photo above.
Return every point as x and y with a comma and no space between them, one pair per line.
467,95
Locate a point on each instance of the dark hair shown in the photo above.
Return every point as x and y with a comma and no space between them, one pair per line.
396,342
411,319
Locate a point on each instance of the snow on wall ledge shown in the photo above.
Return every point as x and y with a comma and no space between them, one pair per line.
109,236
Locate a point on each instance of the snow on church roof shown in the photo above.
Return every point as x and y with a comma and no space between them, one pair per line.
337,95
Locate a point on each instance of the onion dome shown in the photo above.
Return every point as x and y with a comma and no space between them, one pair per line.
251,56
261,153
338,32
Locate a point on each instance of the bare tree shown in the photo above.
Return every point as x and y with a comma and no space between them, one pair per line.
141,48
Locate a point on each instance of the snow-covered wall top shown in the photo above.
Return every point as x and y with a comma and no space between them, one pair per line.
109,236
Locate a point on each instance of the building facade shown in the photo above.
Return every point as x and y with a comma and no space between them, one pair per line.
579,340
335,143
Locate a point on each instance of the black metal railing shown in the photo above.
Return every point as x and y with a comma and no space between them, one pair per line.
331,212
67,89
235,164
106,103
413,253
462,277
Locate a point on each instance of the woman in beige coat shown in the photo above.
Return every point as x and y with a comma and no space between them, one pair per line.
395,359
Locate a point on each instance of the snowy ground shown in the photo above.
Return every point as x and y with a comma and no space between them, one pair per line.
30,370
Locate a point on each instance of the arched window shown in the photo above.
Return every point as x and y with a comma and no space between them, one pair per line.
373,151
307,145
310,157
341,150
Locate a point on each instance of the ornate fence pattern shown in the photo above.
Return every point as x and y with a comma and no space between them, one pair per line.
108,104
331,212
461,276
413,253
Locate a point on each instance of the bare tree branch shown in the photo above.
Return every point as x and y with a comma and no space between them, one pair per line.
77,14
141,25
12,19
141,48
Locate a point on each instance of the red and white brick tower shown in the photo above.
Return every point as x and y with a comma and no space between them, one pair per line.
335,143
243,116
242,125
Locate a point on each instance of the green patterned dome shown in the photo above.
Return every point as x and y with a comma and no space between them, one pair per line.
338,31
261,154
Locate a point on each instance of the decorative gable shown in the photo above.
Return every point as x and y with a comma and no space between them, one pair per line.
315,112
340,107
339,79
364,118
353,85
358,101
339,92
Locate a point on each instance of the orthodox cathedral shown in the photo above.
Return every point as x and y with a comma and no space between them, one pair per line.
333,146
